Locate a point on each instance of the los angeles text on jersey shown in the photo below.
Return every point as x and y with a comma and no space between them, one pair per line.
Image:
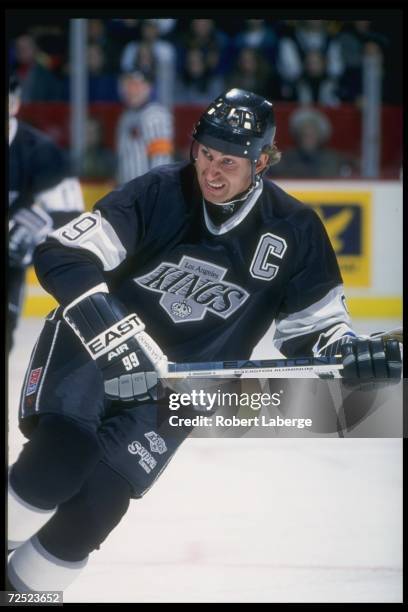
192,288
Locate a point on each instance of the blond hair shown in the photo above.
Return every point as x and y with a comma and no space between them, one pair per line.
274,155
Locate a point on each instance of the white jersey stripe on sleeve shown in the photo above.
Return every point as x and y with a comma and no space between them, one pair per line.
326,312
101,288
92,232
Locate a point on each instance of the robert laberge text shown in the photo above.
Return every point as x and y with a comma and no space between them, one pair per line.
234,421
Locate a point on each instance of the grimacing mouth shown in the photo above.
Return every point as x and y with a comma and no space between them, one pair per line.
214,184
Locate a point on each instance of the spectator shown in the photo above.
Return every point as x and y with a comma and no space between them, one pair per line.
315,86
164,55
96,31
145,129
98,35
311,158
98,162
307,35
24,56
47,79
119,32
103,86
213,43
166,26
258,35
145,58
355,40
252,73
196,84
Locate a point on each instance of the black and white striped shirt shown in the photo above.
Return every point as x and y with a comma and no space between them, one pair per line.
144,140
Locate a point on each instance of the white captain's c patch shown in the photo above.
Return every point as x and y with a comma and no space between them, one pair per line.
269,244
192,288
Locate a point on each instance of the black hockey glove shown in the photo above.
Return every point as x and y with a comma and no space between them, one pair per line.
27,228
366,360
129,359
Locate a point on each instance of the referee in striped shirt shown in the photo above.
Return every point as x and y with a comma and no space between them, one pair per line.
145,130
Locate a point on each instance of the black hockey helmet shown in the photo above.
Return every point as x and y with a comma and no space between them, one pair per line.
238,123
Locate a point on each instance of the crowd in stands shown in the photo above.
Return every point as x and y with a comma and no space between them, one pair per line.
191,61
305,61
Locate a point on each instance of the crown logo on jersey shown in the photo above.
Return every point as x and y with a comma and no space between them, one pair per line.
192,288
181,309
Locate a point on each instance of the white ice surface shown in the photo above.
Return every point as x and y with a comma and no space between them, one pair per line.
251,520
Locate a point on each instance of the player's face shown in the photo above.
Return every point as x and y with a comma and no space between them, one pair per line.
221,177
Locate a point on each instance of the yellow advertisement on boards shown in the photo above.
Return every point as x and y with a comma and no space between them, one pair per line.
347,219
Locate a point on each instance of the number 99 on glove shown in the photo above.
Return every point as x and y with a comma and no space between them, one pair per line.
129,359
129,374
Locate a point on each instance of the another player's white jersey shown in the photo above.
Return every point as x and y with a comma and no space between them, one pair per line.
144,140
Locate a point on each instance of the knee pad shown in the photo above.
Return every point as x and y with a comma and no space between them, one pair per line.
55,462
81,524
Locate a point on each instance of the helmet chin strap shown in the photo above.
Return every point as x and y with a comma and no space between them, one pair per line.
222,211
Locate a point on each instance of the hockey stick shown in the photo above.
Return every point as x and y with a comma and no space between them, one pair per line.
306,367
392,334
322,367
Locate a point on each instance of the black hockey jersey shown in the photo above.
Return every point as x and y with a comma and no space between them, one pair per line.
39,172
204,291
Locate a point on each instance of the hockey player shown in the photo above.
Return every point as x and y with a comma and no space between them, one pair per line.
191,261
42,195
